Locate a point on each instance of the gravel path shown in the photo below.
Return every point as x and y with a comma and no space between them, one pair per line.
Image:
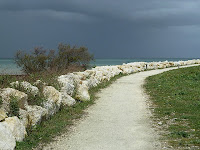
120,120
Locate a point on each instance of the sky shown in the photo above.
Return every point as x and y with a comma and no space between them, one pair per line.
109,28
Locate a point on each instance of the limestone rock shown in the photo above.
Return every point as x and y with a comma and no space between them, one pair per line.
24,117
39,82
51,108
53,99
30,88
92,82
68,83
8,93
82,93
7,140
67,100
16,127
52,94
2,115
14,84
35,114
68,88
82,75
27,86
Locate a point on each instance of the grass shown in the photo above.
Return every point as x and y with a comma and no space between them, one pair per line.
175,97
59,123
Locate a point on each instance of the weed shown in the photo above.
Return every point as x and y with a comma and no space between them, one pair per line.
14,108
181,134
1,101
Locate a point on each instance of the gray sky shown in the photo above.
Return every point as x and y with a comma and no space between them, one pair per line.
109,28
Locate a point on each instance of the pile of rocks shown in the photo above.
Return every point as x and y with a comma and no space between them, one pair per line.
74,87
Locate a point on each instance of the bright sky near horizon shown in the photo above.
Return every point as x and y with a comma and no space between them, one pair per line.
109,28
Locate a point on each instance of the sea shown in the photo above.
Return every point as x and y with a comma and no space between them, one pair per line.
8,65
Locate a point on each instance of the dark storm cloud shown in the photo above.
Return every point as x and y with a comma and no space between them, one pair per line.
110,28
151,12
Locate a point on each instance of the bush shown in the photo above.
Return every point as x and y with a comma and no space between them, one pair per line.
14,109
71,55
41,60
1,101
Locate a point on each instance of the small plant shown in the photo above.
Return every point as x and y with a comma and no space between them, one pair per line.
180,134
14,108
36,100
5,80
1,101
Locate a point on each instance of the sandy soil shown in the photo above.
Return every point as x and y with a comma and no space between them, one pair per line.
120,120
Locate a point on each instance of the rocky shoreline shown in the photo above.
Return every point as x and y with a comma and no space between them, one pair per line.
74,87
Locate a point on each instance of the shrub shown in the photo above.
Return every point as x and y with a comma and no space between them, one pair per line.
34,62
1,101
41,60
14,108
72,55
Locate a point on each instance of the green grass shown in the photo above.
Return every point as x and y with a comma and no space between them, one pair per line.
175,97
59,123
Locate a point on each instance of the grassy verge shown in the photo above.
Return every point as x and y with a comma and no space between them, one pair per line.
47,130
175,97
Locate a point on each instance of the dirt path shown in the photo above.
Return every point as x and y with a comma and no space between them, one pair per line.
118,121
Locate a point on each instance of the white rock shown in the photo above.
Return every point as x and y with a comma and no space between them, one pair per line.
99,76
30,88
16,127
27,86
52,94
35,114
24,117
39,82
67,100
7,140
92,82
68,88
2,115
82,75
82,93
15,84
53,99
67,82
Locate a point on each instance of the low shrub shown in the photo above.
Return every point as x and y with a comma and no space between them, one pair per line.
41,60
1,101
14,108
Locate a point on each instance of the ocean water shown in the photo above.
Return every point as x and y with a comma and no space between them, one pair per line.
8,66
